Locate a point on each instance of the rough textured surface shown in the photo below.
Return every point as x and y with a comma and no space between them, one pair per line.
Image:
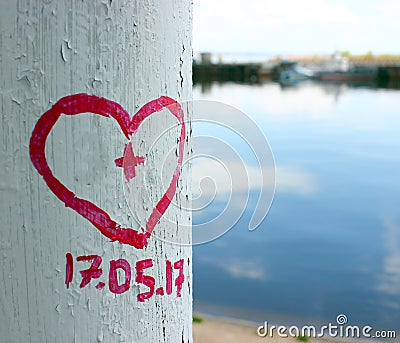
127,51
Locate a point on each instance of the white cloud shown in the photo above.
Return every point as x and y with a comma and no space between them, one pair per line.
306,12
389,10
294,26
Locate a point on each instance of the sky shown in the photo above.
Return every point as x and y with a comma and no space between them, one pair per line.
277,27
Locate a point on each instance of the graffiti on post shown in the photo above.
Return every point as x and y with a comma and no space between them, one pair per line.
100,219
94,273
83,103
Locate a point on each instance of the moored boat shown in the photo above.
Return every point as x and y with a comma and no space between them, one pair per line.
354,74
291,72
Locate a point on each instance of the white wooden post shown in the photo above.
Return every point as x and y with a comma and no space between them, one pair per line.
72,267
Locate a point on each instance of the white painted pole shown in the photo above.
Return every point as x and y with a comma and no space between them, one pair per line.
74,268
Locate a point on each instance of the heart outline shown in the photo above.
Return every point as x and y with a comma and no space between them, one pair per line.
84,103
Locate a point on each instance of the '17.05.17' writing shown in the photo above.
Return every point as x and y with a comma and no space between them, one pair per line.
117,286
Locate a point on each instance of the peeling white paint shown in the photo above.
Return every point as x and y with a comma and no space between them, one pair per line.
127,51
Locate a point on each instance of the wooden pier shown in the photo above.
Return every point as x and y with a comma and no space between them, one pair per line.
386,76
237,72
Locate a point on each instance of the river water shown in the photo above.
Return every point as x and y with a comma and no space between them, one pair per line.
330,243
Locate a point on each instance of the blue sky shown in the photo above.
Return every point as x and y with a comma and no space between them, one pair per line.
296,27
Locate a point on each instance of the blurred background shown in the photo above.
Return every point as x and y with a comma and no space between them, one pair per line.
321,79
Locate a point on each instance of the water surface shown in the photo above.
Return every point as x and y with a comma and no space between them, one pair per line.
331,241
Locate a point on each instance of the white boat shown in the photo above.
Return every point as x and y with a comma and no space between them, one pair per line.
291,72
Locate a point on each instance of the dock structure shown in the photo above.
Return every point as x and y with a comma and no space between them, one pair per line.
389,76
387,72
237,72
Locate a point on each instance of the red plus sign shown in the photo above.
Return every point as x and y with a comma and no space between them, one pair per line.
129,162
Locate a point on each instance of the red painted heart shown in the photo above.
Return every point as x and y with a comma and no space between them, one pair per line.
82,103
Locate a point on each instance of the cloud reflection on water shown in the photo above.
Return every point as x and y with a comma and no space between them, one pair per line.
239,268
390,277
289,179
